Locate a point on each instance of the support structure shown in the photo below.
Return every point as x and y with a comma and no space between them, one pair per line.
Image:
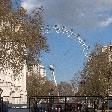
52,69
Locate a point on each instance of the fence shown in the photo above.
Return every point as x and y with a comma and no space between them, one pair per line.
6,107
66,104
18,110
61,104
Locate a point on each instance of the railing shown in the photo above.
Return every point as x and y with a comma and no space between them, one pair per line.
66,104
18,108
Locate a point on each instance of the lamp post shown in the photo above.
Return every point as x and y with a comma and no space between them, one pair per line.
1,101
1,92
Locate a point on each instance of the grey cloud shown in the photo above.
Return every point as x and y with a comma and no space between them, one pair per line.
77,13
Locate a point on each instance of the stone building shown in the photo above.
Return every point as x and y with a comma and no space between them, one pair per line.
109,50
39,70
14,88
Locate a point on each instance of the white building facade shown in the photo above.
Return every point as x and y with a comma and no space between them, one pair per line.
14,88
39,70
109,50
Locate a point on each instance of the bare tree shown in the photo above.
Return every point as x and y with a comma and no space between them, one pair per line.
65,89
38,86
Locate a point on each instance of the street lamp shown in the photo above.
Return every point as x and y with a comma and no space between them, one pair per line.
1,92
1,101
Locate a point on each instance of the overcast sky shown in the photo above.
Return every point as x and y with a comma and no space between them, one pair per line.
77,13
